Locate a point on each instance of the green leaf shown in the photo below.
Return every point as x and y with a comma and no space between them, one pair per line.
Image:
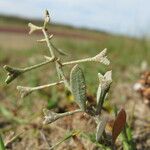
2,146
78,86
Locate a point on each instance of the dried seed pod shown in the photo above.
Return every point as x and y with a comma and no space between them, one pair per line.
46,18
13,73
49,116
24,91
78,86
101,57
33,28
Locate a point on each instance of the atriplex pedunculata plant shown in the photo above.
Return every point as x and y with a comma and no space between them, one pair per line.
76,85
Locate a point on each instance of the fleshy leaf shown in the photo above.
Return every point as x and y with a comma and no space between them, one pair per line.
100,128
119,124
78,86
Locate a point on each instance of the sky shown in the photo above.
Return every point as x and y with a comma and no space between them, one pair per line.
127,17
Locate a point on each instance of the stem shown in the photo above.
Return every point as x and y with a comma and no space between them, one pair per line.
48,42
51,117
45,86
38,65
77,61
69,113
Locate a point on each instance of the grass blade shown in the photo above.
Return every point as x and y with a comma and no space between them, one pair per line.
2,147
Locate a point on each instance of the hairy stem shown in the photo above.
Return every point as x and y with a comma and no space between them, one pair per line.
51,116
38,65
45,86
70,113
77,61
24,91
48,42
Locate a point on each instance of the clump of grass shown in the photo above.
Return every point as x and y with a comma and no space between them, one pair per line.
76,85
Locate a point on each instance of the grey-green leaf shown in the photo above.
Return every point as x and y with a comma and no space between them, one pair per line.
78,86
100,128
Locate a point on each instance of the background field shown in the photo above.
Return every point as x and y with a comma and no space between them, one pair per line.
19,49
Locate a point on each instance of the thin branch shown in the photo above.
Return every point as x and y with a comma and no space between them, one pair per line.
52,116
13,73
38,65
48,42
101,57
46,86
25,91
77,61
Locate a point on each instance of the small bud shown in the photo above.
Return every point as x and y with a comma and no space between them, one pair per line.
24,91
105,80
46,18
104,85
33,28
12,73
101,57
